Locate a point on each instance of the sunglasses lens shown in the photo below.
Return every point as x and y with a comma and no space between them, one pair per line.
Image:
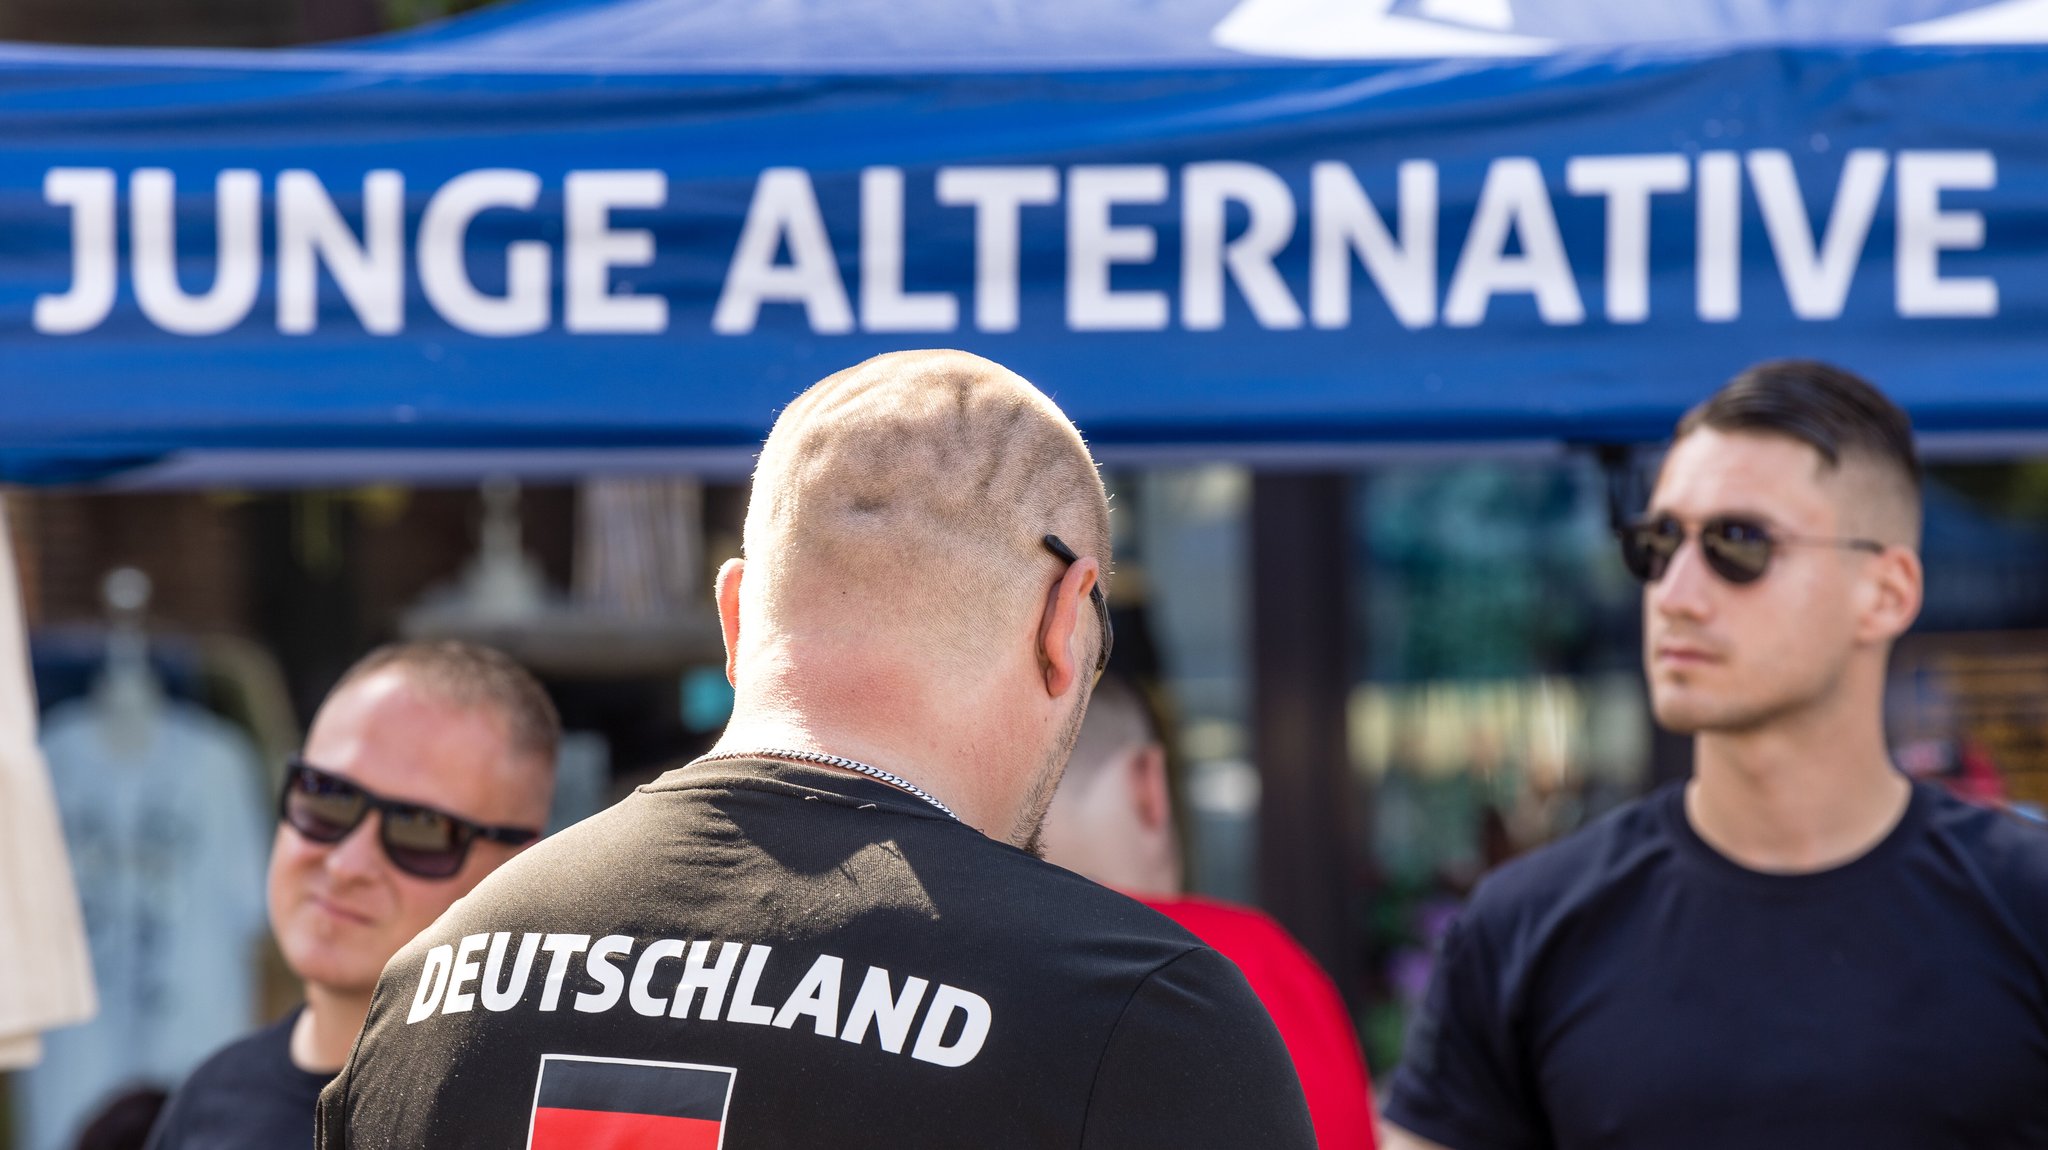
322,808
1647,548
1738,551
423,842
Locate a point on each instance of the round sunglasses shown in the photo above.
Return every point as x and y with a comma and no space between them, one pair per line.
419,840
1737,548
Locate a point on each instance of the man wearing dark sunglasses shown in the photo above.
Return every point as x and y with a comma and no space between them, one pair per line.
832,930
429,765
1798,947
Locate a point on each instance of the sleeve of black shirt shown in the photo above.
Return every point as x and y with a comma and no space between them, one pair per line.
1194,1062
1463,1082
168,1131
330,1121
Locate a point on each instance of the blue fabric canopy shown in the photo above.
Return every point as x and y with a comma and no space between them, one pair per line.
1218,225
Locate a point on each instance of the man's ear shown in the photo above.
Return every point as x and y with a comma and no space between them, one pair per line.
727,590
1148,787
1896,587
1059,654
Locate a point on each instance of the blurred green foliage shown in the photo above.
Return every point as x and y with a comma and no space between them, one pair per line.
411,13
2005,490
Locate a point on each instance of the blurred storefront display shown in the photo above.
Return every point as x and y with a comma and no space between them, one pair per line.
1493,699
1497,700
164,813
1970,711
169,705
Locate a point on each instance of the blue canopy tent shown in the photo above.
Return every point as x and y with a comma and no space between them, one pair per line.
1220,227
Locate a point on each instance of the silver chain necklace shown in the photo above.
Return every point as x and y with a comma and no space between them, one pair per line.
855,765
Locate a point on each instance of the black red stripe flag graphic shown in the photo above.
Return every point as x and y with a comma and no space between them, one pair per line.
619,1104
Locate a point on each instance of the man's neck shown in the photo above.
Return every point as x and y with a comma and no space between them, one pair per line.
327,1029
926,764
959,737
1795,797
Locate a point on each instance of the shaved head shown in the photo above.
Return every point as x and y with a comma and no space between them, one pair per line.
1117,723
1877,500
908,495
1113,818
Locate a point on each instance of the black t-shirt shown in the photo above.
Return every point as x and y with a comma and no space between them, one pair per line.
247,1096
1632,987
783,956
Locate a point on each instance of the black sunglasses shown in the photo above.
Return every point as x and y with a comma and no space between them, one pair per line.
420,841
1058,546
1736,548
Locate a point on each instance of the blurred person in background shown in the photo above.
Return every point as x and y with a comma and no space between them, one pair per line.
1799,947
428,766
1113,820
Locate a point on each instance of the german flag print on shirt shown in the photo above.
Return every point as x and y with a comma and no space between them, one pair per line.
620,1104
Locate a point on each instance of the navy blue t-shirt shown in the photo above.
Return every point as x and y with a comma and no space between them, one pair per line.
1632,987
248,1096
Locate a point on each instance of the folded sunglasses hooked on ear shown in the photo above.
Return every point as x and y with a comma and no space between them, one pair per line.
1059,547
419,840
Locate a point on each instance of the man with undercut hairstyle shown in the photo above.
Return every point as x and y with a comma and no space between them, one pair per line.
1799,947
427,767
832,930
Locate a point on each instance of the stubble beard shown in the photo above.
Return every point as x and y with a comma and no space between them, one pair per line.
1028,835
1708,716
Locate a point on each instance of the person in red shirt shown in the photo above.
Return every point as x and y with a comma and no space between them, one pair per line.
1112,820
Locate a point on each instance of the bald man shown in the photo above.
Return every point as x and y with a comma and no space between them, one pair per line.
831,931
1112,821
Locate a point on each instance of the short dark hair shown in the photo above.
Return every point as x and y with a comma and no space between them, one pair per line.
1835,412
473,675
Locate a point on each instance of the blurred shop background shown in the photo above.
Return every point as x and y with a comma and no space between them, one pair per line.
1387,670
1482,633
